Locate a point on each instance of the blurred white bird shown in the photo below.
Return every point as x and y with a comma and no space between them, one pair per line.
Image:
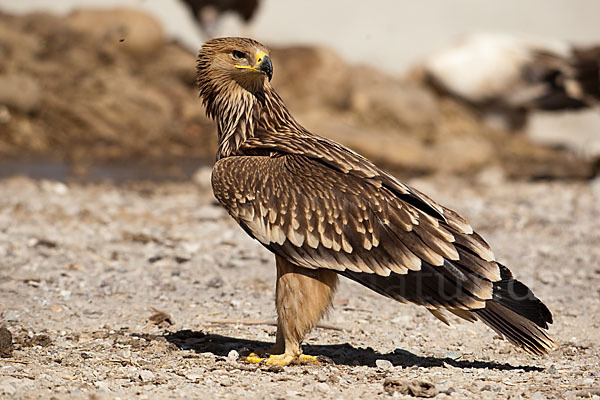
512,75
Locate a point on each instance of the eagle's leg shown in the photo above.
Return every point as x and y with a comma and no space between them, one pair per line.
302,297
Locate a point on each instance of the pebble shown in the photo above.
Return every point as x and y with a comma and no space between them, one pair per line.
215,283
55,187
6,344
537,396
384,364
453,355
321,377
146,376
322,387
226,382
193,377
233,356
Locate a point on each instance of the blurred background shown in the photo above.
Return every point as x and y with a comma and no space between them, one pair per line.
98,89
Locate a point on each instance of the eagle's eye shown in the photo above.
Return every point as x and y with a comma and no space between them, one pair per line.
238,55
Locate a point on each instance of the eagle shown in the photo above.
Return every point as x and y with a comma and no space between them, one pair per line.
326,211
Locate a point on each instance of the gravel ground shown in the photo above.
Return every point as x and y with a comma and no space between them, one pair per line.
85,268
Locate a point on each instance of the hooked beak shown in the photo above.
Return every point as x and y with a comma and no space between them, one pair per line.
264,65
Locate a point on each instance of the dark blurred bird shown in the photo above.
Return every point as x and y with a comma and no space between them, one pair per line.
512,75
208,12
567,82
325,211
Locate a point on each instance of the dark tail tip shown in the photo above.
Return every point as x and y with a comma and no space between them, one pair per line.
518,315
517,297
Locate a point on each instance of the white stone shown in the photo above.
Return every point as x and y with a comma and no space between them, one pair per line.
146,376
233,356
193,377
384,364
322,387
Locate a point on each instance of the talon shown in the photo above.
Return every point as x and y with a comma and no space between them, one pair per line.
307,359
254,358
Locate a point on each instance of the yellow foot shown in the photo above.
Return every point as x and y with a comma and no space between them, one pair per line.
283,359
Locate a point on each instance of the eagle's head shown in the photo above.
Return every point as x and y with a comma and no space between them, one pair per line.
232,64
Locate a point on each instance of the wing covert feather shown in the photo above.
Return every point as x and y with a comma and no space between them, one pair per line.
319,217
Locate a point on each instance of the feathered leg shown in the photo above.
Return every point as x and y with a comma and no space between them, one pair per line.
302,297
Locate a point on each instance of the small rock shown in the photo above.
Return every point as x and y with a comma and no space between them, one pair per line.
40,340
180,259
55,187
321,377
160,318
537,396
193,377
444,388
146,376
551,370
226,382
6,344
322,387
384,364
453,355
414,388
233,356
215,283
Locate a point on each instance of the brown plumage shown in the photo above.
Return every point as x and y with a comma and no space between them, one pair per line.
569,82
327,211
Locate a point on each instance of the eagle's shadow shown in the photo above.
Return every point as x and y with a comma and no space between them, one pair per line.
342,354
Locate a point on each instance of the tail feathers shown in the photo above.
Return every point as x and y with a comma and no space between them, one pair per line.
515,313
518,298
519,330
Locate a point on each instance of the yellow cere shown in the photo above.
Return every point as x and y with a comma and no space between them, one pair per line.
259,57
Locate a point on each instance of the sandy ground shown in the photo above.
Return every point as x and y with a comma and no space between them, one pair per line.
82,265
